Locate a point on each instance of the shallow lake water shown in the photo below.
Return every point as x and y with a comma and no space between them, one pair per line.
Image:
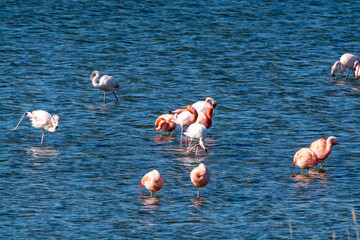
267,64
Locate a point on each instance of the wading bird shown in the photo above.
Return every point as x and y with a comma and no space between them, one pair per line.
165,123
184,118
305,158
105,83
152,181
196,131
347,60
200,177
42,120
322,148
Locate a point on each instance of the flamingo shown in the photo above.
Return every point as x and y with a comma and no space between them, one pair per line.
106,83
152,181
205,118
42,120
164,123
305,158
200,177
322,147
203,106
196,131
347,60
185,117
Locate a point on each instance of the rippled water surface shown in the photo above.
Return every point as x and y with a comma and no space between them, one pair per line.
267,63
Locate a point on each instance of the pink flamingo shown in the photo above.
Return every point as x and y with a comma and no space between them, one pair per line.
200,177
185,117
347,60
322,147
305,158
165,123
205,118
153,181
203,106
106,83
196,131
42,120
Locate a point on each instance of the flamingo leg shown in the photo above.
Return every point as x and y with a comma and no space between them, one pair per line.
198,193
181,135
321,165
302,171
150,194
189,146
104,97
347,75
19,121
197,147
115,96
193,148
42,138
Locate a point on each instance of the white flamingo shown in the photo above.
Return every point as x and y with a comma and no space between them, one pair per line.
42,120
196,131
347,60
105,83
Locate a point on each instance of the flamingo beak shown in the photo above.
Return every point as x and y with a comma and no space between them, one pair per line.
333,75
293,164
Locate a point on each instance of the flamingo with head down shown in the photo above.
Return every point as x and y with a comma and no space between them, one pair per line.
305,158
165,123
41,120
200,177
196,131
347,60
152,181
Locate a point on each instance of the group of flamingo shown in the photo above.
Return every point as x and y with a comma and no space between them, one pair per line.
320,149
196,117
153,181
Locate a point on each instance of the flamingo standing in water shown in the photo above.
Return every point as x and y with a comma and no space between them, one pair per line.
322,148
105,83
184,118
152,181
305,158
196,131
165,123
42,120
347,60
205,118
203,106
200,177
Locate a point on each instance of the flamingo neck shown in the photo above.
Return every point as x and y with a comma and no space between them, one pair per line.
328,146
95,80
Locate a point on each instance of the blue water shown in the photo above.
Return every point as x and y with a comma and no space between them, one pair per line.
267,63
